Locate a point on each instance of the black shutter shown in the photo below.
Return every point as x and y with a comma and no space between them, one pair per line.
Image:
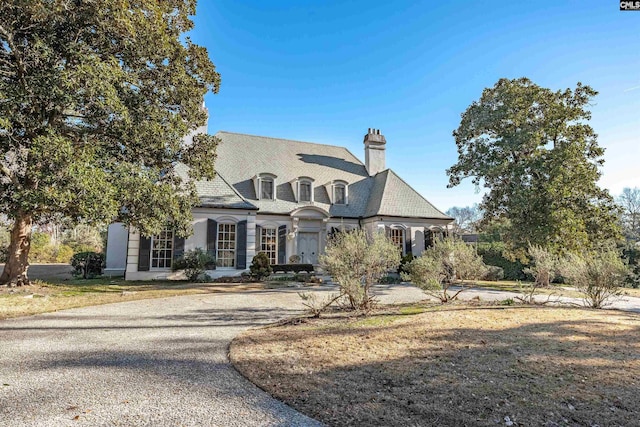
178,247
212,235
241,245
408,244
282,244
144,254
428,238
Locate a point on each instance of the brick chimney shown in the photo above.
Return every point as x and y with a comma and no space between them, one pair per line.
374,146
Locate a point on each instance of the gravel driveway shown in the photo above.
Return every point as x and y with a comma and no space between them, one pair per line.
160,362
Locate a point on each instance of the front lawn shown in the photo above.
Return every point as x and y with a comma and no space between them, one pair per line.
453,365
41,296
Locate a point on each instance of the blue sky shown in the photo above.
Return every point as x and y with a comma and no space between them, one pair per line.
325,71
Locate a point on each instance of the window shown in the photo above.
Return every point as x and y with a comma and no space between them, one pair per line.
226,253
162,249
266,188
339,194
269,244
305,192
397,237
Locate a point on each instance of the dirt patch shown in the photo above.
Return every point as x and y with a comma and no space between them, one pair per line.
453,366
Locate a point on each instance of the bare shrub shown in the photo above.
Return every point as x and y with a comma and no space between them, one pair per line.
447,263
356,261
543,268
316,304
599,277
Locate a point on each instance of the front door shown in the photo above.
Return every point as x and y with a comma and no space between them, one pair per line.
308,247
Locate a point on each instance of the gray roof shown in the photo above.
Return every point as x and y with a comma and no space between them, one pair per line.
241,157
392,196
216,193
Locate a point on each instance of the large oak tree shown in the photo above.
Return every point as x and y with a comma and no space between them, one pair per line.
535,152
95,99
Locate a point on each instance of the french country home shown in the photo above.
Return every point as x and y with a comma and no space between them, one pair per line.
283,198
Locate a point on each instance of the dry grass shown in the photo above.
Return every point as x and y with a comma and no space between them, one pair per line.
555,289
42,297
454,366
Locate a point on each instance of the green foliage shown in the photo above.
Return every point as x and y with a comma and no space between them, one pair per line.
598,275
406,259
87,264
294,259
43,250
96,99
492,254
629,200
356,261
631,256
533,150
439,267
194,263
260,267
83,238
294,268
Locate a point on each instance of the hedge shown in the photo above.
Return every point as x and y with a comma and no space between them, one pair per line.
492,255
296,268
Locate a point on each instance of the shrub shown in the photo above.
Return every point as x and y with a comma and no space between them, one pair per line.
492,254
597,276
294,259
631,255
543,266
406,259
294,268
445,263
194,263
493,273
87,264
64,254
356,261
260,267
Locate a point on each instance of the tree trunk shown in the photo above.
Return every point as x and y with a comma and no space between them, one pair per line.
15,270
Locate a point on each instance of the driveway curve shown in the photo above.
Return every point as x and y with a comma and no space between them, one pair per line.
150,362
157,362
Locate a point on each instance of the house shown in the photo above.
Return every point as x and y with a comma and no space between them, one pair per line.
283,198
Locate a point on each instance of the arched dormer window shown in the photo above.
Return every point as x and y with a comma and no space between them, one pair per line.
303,189
265,186
339,192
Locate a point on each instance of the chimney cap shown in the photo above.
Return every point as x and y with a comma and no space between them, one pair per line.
374,135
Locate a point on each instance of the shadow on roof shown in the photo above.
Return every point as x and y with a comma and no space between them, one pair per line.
333,162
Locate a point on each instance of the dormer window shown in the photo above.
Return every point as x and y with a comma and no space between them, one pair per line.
305,191
339,193
265,186
302,189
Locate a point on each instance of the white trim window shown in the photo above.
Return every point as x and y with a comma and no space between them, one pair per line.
162,250
226,242
396,234
339,194
269,244
265,186
305,191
